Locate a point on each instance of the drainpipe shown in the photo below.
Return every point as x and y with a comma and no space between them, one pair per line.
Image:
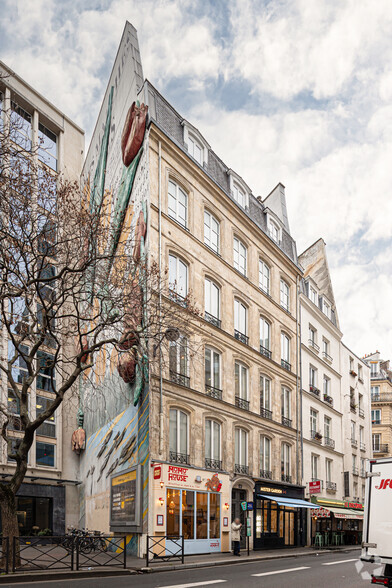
160,295
298,388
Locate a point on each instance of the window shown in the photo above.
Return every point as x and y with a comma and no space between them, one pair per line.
13,408
47,147
376,417
239,256
363,466
47,284
325,346
45,454
46,379
376,441
284,295
212,369
354,459
375,392
286,403
314,465
361,435
212,292
328,470
240,317
285,462
326,386
20,124
265,454
19,366
212,442
265,337
285,349
241,380
195,149
273,230
48,427
327,428
239,195
351,364
326,308
312,336
313,421
177,203
178,433
360,373
265,393
313,295
178,277
178,361
352,430
373,368
241,447
264,277
211,231
312,378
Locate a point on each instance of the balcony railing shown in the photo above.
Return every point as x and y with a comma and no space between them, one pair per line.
178,457
363,473
361,413
328,442
212,319
266,474
266,352
178,298
314,390
362,446
355,471
241,337
286,421
241,469
353,407
316,436
354,443
314,345
327,357
381,397
330,486
264,412
214,392
242,403
328,399
382,448
286,478
285,364
213,464
180,379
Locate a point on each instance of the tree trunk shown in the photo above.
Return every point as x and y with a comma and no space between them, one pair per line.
10,528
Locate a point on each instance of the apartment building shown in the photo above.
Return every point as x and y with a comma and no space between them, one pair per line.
219,427
381,401
48,498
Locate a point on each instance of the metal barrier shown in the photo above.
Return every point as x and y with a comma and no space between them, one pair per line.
164,548
100,550
42,553
4,554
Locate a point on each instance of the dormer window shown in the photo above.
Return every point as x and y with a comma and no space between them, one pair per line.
274,231
326,308
238,189
195,149
239,195
195,143
313,295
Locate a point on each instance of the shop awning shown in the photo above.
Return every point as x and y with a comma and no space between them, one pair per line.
294,502
346,513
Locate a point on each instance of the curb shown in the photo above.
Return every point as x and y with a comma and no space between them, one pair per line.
40,576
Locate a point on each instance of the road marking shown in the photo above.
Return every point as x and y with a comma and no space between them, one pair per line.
206,583
281,571
332,563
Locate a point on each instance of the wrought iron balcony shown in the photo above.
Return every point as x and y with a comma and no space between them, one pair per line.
214,392
242,403
328,399
362,446
355,471
266,352
286,478
266,474
264,412
354,442
241,469
316,436
327,357
330,486
314,345
212,319
353,407
314,390
363,473
213,464
382,448
328,442
285,364
180,379
381,397
178,298
178,457
361,413
286,421
241,337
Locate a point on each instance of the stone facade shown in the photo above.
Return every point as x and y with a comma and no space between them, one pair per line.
381,402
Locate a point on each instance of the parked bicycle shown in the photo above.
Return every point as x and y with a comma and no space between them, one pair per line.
88,540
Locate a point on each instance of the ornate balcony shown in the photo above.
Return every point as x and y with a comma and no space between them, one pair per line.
180,379
212,319
178,298
328,442
179,457
286,421
213,464
266,474
286,478
264,412
214,392
241,469
241,337
382,448
330,486
242,403
285,365
353,407
266,352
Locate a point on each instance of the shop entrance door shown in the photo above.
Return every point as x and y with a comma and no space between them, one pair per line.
289,527
238,496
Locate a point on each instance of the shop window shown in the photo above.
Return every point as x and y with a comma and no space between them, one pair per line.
211,231
45,454
177,203
173,512
195,515
188,514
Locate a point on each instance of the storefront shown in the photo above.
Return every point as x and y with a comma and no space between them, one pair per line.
193,503
279,515
336,523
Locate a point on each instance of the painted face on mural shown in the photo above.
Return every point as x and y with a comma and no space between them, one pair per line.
133,132
214,484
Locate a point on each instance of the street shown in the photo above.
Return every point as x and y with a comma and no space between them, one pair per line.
327,570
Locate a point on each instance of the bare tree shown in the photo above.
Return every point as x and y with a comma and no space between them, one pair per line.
70,286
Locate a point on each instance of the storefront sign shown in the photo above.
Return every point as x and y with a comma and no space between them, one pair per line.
160,520
176,474
315,487
250,506
225,521
356,505
125,499
320,513
157,472
273,490
244,505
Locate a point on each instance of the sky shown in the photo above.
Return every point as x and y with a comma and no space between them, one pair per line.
291,91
